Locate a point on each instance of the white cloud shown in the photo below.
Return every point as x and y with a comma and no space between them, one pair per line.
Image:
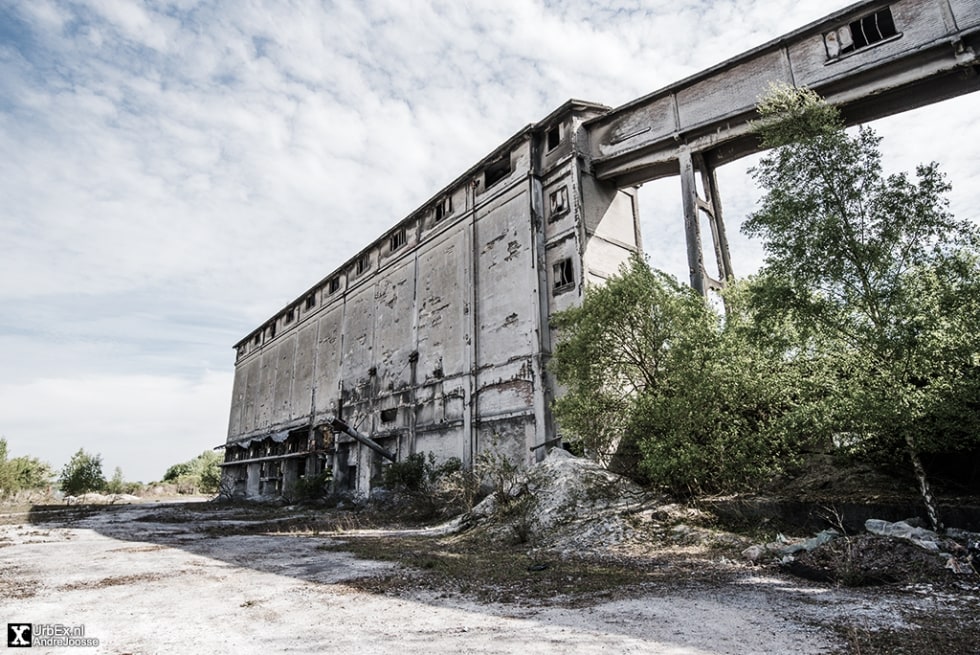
175,172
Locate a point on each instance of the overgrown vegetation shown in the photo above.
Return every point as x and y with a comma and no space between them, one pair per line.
199,475
22,473
82,474
432,489
859,330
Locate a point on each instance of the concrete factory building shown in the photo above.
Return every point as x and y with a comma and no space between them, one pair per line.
435,338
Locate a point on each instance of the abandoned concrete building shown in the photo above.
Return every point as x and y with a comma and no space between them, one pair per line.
436,339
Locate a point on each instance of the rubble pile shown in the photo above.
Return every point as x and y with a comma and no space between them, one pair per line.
886,552
563,503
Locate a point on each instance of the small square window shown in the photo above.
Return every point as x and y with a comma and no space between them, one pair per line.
396,241
311,301
558,203
554,137
563,275
496,171
363,264
444,208
333,286
389,415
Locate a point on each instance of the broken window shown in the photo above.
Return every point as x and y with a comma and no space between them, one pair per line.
389,415
444,208
363,264
311,301
334,285
496,171
861,33
396,241
554,137
563,275
558,202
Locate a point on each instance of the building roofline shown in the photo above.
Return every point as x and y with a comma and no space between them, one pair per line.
817,26
569,106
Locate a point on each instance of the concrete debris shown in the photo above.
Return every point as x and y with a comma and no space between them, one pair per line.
921,537
784,548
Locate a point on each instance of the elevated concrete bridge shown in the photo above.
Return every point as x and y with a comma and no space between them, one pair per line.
872,59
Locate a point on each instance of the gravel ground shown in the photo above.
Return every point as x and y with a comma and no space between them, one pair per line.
218,579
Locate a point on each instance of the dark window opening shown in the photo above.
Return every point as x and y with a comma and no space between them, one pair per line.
258,339
861,33
334,285
444,208
290,315
396,240
554,137
272,331
311,301
389,415
558,202
564,275
496,171
363,264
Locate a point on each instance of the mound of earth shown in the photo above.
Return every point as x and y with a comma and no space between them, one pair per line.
562,502
868,559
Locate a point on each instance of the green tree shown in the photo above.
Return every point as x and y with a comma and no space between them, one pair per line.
21,473
613,348
82,473
201,474
647,365
877,278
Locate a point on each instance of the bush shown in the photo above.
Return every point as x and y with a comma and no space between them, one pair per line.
82,474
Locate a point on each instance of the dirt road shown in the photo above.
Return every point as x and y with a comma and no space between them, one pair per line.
154,579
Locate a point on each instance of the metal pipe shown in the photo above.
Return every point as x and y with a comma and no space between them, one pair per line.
340,425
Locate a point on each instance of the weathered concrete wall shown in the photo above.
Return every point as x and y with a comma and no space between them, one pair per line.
434,338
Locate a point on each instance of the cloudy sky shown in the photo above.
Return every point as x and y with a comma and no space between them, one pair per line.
172,172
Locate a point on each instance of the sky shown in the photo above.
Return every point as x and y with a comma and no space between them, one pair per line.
174,172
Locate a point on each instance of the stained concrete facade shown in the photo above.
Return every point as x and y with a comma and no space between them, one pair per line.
435,338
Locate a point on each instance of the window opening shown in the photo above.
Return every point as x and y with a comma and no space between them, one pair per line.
389,415
363,263
861,33
272,331
334,285
258,338
564,275
496,171
311,301
559,203
396,240
444,208
554,137
290,315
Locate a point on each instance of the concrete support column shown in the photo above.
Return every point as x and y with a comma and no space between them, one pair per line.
693,165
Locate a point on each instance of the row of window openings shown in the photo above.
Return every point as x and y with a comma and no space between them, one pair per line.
563,276
864,32
558,201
